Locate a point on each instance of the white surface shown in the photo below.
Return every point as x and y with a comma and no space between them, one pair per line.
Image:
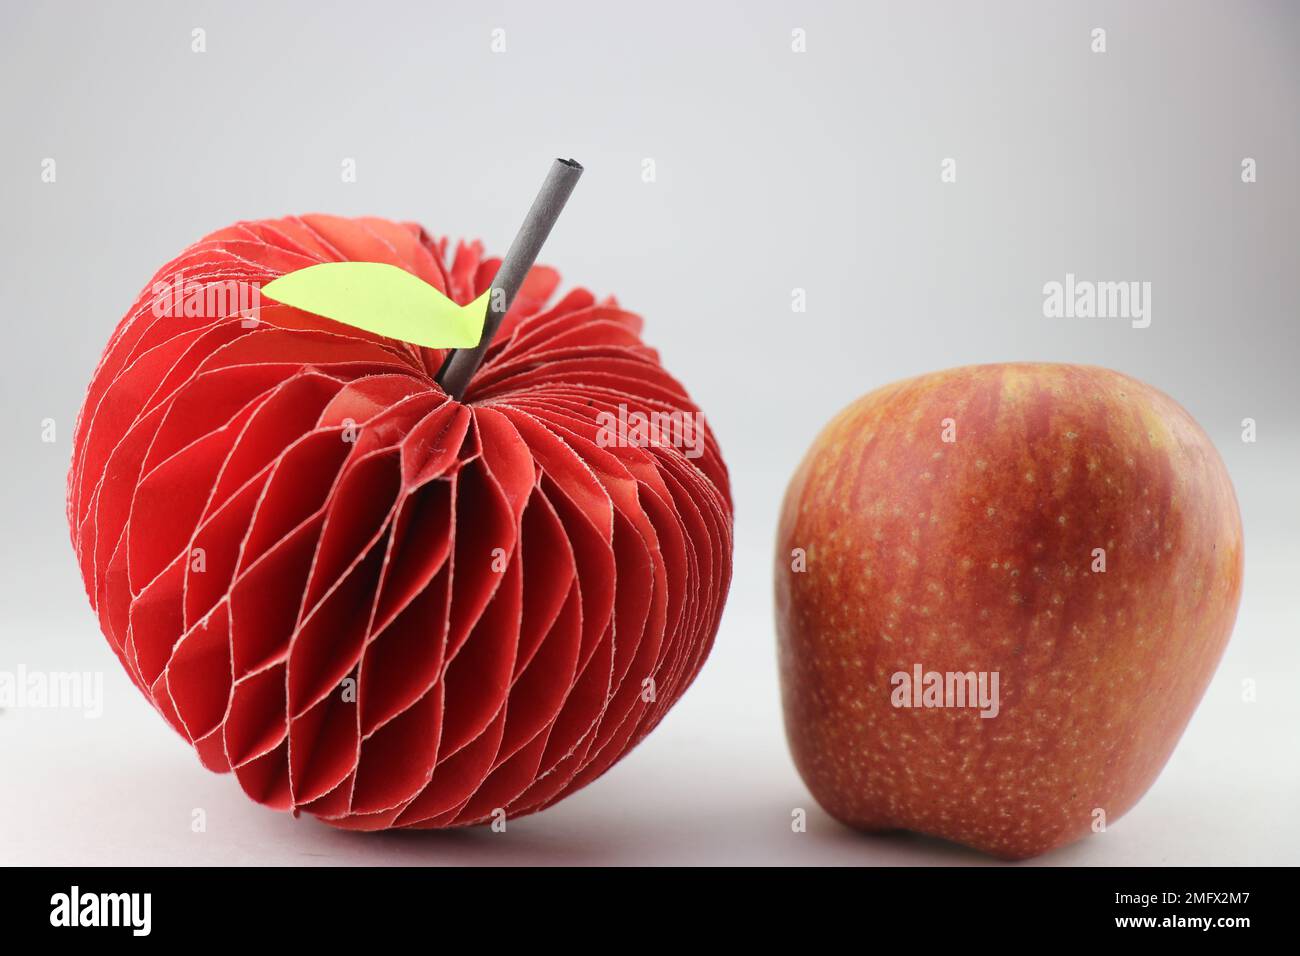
713,784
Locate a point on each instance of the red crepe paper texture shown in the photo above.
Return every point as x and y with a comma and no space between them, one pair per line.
269,513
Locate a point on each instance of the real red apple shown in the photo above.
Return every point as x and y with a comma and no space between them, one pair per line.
1066,531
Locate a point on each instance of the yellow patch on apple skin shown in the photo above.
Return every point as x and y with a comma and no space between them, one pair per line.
1100,671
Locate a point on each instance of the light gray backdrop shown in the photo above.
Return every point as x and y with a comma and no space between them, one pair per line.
775,170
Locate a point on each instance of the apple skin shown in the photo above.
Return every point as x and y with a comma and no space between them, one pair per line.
978,555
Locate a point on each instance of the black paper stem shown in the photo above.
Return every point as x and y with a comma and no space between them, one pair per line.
463,363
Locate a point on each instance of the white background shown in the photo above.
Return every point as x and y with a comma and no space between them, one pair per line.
775,171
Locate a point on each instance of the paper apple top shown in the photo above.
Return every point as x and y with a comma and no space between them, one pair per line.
372,602
384,299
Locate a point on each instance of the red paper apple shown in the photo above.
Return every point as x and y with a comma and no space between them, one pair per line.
372,602
1071,531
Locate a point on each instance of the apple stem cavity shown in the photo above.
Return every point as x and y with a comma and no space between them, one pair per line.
461,365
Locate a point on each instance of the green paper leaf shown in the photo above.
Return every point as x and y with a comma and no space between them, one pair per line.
383,299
